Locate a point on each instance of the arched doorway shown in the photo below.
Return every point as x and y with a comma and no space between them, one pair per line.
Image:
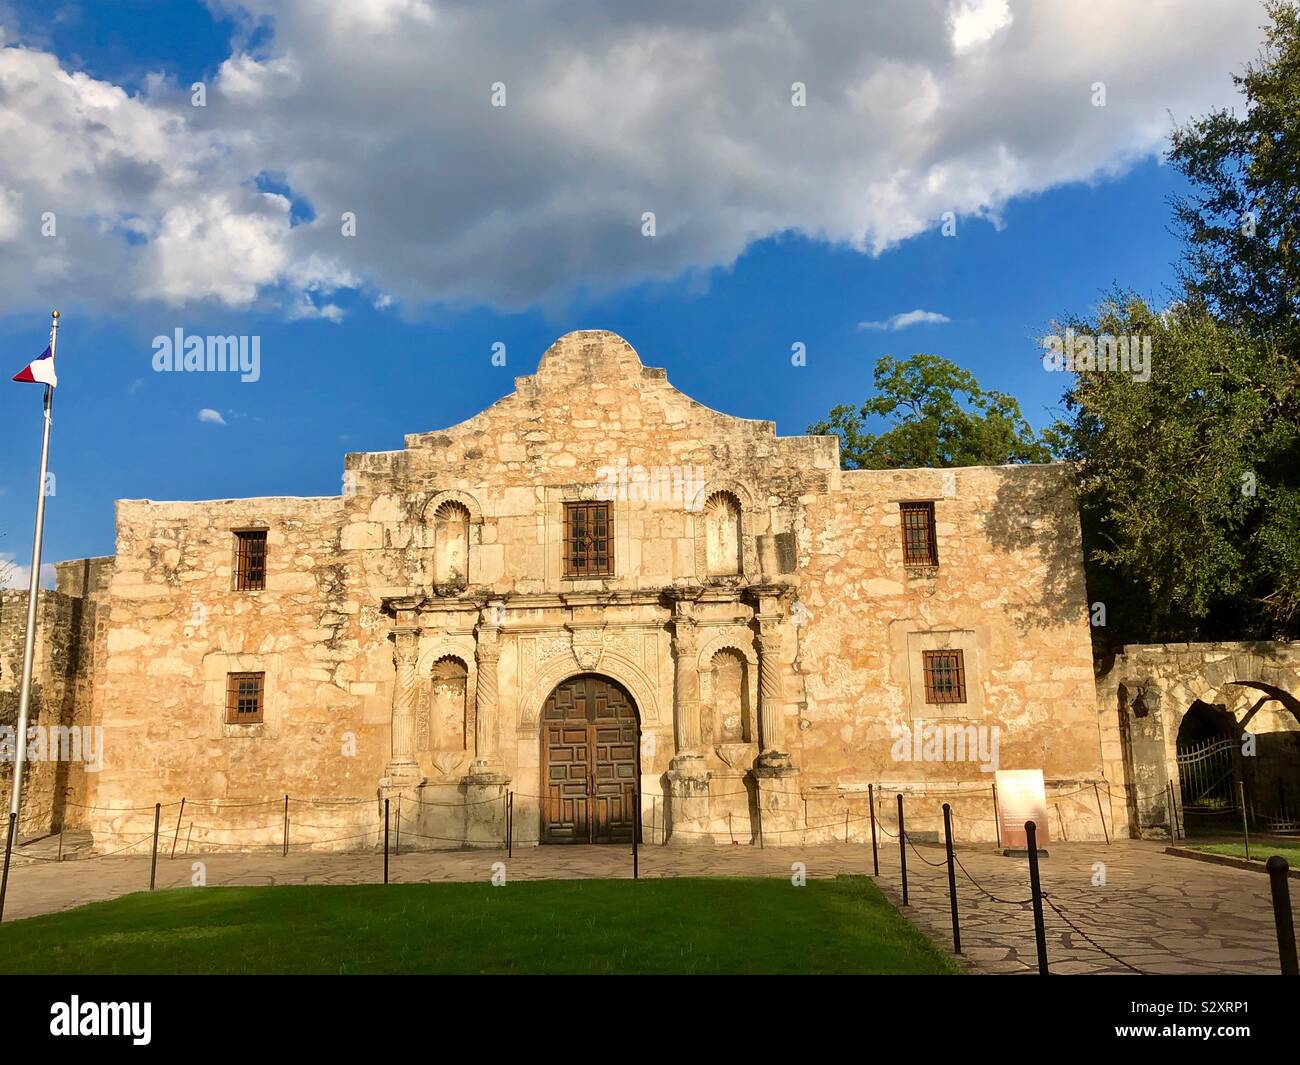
1209,768
590,762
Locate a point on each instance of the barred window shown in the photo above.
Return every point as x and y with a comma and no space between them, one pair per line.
945,676
919,546
588,540
244,693
250,560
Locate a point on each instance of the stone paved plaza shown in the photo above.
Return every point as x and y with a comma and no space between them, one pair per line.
1158,912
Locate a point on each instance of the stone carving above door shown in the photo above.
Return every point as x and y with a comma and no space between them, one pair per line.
630,656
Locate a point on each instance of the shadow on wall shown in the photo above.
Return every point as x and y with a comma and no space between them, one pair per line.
1035,514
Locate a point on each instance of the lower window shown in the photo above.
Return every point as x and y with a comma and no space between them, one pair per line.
945,676
244,698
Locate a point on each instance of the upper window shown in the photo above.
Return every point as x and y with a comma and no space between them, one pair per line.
250,560
244,693
588,540
945,676
919,546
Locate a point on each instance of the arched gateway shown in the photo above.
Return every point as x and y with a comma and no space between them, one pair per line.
590,755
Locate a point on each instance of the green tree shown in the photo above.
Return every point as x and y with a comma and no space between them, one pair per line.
937,416
1190,483
1241,223
1188,530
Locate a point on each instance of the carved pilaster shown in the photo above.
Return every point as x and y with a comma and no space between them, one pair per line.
771,689
403,770
686,689
487,653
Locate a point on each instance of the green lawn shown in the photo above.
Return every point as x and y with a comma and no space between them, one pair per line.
1259,851
557,926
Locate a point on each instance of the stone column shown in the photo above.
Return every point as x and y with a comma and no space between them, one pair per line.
686,689
771,694
780,811
403,769
688,778
485,787
487,653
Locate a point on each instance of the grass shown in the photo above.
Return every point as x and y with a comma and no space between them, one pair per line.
728,925
1260,851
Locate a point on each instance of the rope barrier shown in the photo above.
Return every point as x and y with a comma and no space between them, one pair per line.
1087,938
937,865
980,887
86,858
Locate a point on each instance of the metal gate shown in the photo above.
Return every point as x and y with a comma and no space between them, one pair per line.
1208,784
1214,779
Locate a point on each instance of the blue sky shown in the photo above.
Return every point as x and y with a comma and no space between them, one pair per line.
364,368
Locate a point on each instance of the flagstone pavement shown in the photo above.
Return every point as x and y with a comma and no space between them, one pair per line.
1123,908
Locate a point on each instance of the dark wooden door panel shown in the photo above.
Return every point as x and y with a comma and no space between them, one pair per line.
589,763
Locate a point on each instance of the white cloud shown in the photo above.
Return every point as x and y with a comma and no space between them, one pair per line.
906,318
382,108
974,22
212,417
14,575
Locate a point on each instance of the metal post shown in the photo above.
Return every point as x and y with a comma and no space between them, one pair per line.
33,591
846,826
1169,809
386,801
9,847
1179,829
1282,919
902,846
153,865
285,849
636,857
997,816
952,878
510,824
636,829
1245,830
1104,829
1036,893
397,841
875,855
177,836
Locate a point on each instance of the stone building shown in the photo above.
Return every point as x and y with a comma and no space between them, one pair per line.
69,626
598,607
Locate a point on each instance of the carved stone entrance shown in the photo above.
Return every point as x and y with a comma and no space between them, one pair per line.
590,752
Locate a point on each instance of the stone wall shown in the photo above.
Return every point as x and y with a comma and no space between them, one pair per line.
769,688
1008,592
59,779
1144,693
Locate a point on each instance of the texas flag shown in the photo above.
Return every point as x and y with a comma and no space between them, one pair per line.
39,371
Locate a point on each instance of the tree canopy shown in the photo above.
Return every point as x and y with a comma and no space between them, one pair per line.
938,415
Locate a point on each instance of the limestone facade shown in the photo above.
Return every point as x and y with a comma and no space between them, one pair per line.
758,614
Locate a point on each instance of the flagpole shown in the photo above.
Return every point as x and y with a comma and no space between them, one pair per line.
33,588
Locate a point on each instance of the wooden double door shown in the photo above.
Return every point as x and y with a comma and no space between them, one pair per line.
590,751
